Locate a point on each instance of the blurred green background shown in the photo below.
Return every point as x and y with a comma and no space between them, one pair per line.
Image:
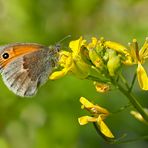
49,120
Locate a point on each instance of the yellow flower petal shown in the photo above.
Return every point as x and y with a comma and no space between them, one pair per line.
76,45
64,55
58,74
93,44
142,77
65,59
117,47
95,109
86,103
85,119
104,129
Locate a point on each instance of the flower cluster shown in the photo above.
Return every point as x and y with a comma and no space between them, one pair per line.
101,60
98,114
89,61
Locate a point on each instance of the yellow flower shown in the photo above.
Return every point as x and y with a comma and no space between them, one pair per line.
76,46
93,44
72,61
139,58
133,56
66,62
98,115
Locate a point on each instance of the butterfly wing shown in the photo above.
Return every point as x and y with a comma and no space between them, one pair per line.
26,73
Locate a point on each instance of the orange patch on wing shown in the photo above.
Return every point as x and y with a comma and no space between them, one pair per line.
16,51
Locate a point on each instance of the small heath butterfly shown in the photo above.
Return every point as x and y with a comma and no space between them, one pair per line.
26,66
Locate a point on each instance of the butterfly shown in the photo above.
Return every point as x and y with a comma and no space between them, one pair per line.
26,66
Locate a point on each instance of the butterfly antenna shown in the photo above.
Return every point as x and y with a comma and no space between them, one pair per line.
58,44
66,37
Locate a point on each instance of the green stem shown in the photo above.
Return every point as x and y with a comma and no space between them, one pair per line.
129,95
134,102
124,81
132,140
93,78
133,81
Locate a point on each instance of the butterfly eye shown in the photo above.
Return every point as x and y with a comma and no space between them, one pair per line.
5,55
